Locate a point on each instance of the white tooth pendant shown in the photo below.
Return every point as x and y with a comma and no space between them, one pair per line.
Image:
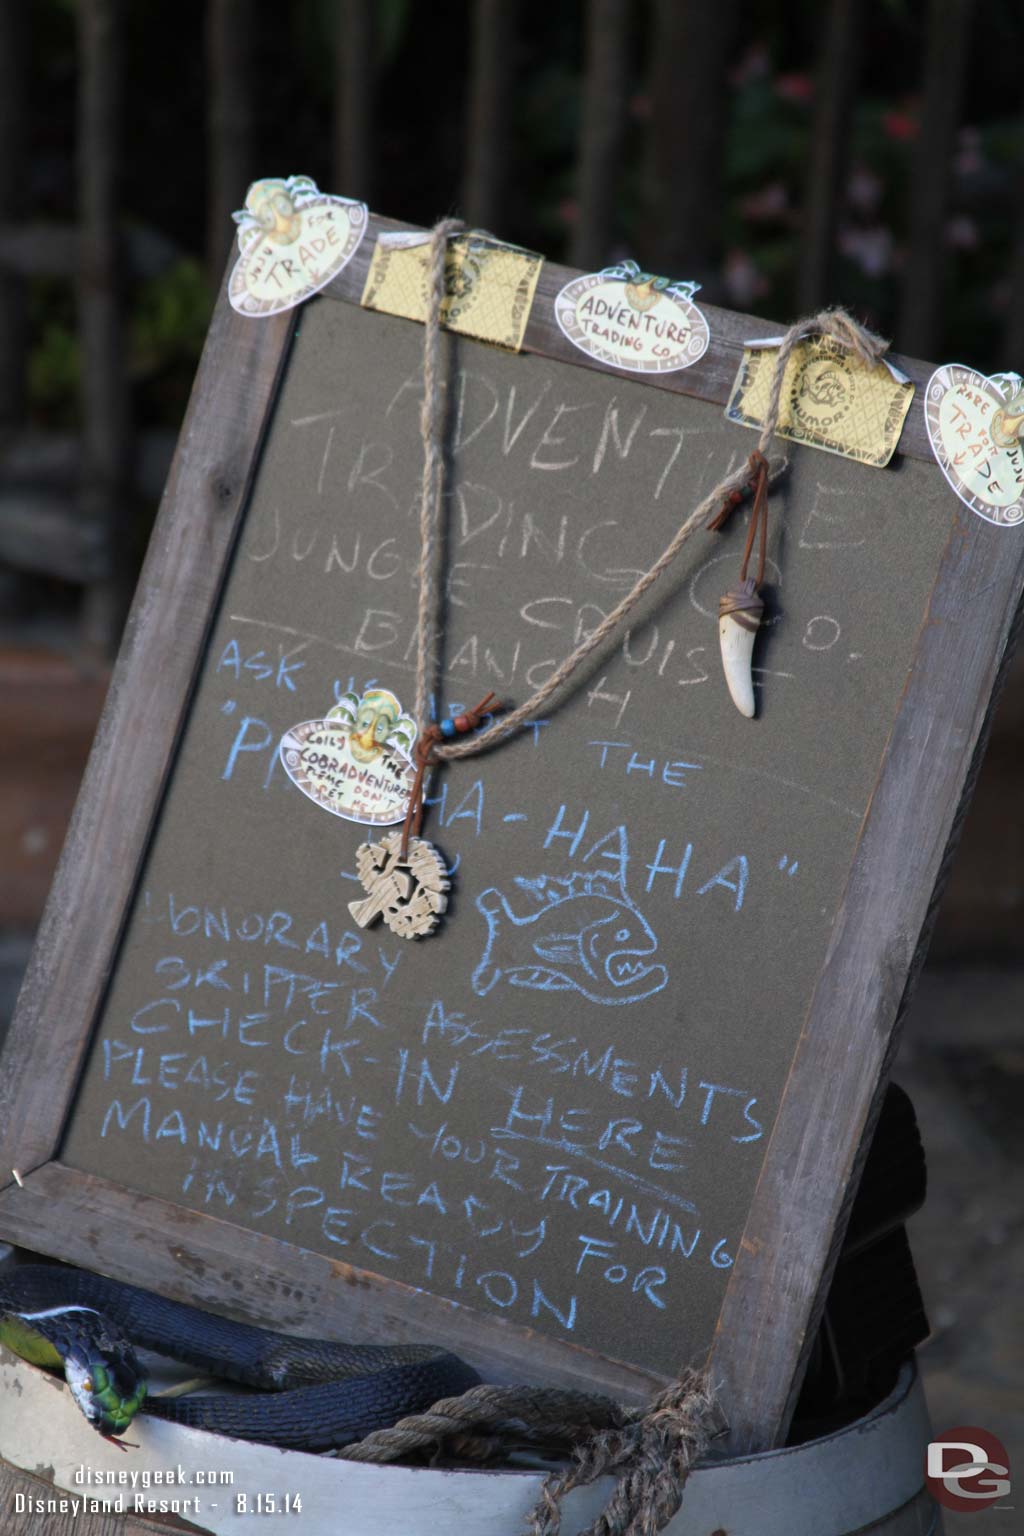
739,618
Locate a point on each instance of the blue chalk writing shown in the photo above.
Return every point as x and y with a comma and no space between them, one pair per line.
656,868
580,934
574,836
738,869
422,1078
260,667
673,772
253,735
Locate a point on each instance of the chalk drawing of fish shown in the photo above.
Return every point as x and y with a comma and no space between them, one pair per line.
579,934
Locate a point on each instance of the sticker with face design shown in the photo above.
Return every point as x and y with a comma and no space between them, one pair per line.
355,762
292,240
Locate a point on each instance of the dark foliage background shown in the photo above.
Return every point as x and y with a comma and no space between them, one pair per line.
420,66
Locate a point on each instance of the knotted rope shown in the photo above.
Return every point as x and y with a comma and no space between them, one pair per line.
652,1456
650,1450
432,481
480,1424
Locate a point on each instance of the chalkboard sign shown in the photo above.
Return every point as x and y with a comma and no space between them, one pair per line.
610,1116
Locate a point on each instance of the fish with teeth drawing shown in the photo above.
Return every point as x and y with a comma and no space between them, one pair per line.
578,934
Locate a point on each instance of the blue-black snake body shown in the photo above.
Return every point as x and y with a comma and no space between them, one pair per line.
315,1394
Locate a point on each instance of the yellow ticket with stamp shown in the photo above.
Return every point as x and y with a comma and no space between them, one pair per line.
831,399
489,285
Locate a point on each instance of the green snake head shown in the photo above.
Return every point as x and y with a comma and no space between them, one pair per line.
109,1391
99,1364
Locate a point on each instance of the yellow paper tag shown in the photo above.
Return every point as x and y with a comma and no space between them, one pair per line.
490,286
830,399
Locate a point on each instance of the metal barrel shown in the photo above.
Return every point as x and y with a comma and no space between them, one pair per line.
866,1477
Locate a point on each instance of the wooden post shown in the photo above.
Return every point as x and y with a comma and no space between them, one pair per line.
354,96
488,134
14,18
104,394
944,67
604,102
229,62
828,155
689,119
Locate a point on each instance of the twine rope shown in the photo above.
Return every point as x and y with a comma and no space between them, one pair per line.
651,1450
733,488
483,1420
652,1455
432,483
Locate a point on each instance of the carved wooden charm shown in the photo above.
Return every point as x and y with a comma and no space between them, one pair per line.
409,893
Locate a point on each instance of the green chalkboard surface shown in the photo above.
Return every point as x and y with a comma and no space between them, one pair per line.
618,1099
556,1108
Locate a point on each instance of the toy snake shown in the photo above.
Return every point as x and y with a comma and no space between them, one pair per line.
315,1394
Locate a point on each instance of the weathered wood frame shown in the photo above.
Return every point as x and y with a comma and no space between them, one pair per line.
813,1158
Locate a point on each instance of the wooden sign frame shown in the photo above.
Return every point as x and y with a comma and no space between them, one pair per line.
812,1162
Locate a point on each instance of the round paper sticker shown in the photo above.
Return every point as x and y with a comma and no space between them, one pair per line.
355,761
633,320
293,239
976,428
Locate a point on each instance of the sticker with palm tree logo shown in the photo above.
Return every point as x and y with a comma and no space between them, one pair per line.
633,319
355,762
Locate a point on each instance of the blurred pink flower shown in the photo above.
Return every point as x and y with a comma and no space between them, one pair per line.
871,248
900,125
962,233
569,210
755,64
768,202
969,159
743,281
864,189
798,88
